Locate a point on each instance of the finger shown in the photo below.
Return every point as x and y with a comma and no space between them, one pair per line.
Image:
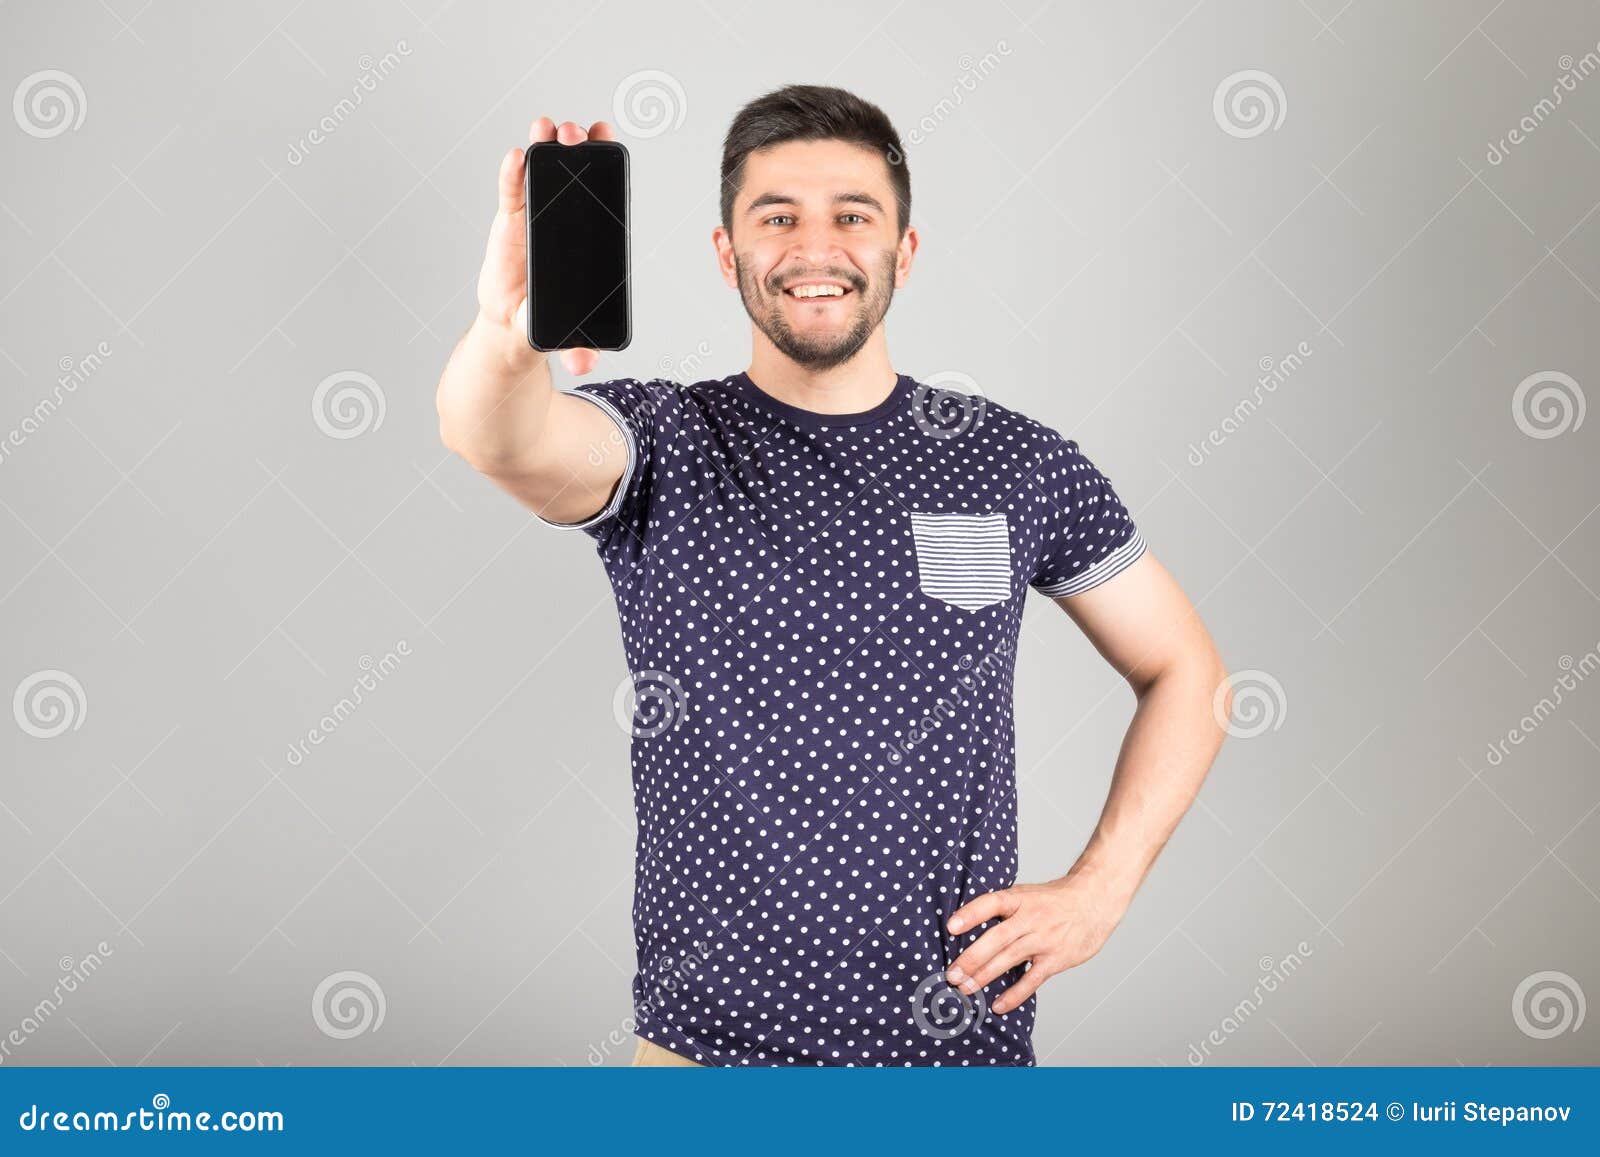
512,194
600,131
571,133
985,907
543,129
964,968
579,362
1020,991
1024,947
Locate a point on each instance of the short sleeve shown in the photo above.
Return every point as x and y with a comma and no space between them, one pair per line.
639,411
1088,535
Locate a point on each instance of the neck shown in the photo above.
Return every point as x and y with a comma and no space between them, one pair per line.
851,388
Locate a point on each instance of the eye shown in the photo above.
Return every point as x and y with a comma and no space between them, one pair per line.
857,216
775,217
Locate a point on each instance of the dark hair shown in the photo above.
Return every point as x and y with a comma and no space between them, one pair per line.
812,112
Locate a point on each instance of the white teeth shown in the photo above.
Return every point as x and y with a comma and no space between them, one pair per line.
817,291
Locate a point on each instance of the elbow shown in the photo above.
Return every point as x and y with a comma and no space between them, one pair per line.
1221,698
1199,676
1219,684
447,438
446,430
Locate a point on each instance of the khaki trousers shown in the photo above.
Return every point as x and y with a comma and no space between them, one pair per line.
650,1053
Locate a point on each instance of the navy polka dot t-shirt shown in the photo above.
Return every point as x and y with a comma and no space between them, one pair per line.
820,613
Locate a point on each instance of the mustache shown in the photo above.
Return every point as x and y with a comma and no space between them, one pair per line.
776,283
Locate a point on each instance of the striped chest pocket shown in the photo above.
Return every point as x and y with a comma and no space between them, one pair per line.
963,559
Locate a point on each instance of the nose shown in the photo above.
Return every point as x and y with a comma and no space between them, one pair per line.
815,246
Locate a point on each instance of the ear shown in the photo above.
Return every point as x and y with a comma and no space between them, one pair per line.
723,241
904,255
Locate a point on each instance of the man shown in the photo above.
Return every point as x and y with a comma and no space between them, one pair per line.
820,566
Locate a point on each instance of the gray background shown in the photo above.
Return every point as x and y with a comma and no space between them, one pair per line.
1381,537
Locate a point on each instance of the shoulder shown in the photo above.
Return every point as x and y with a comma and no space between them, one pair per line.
658,396
1030,439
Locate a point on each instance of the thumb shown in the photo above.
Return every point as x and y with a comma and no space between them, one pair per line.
580,362
519,321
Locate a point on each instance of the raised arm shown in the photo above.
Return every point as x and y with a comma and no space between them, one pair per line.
498,407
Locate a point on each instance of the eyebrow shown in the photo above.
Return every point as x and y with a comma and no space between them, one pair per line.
854,197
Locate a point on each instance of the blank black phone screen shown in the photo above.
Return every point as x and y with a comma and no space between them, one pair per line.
578,246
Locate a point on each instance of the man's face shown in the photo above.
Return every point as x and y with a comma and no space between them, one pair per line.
820,213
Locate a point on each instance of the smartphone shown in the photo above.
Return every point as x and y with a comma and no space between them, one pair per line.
578,247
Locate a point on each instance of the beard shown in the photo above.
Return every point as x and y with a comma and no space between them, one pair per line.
817,351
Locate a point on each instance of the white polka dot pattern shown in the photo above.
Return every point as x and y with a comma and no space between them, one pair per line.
838,598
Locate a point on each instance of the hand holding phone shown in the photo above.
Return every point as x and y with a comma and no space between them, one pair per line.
503,283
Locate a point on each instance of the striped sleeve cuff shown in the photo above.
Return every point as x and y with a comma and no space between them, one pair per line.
627,470
1108,567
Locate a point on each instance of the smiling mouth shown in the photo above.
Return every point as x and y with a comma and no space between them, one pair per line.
817,294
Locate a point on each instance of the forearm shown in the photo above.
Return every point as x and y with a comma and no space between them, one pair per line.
1168,749
494,397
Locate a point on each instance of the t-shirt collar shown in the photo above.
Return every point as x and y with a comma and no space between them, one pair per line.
812,420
